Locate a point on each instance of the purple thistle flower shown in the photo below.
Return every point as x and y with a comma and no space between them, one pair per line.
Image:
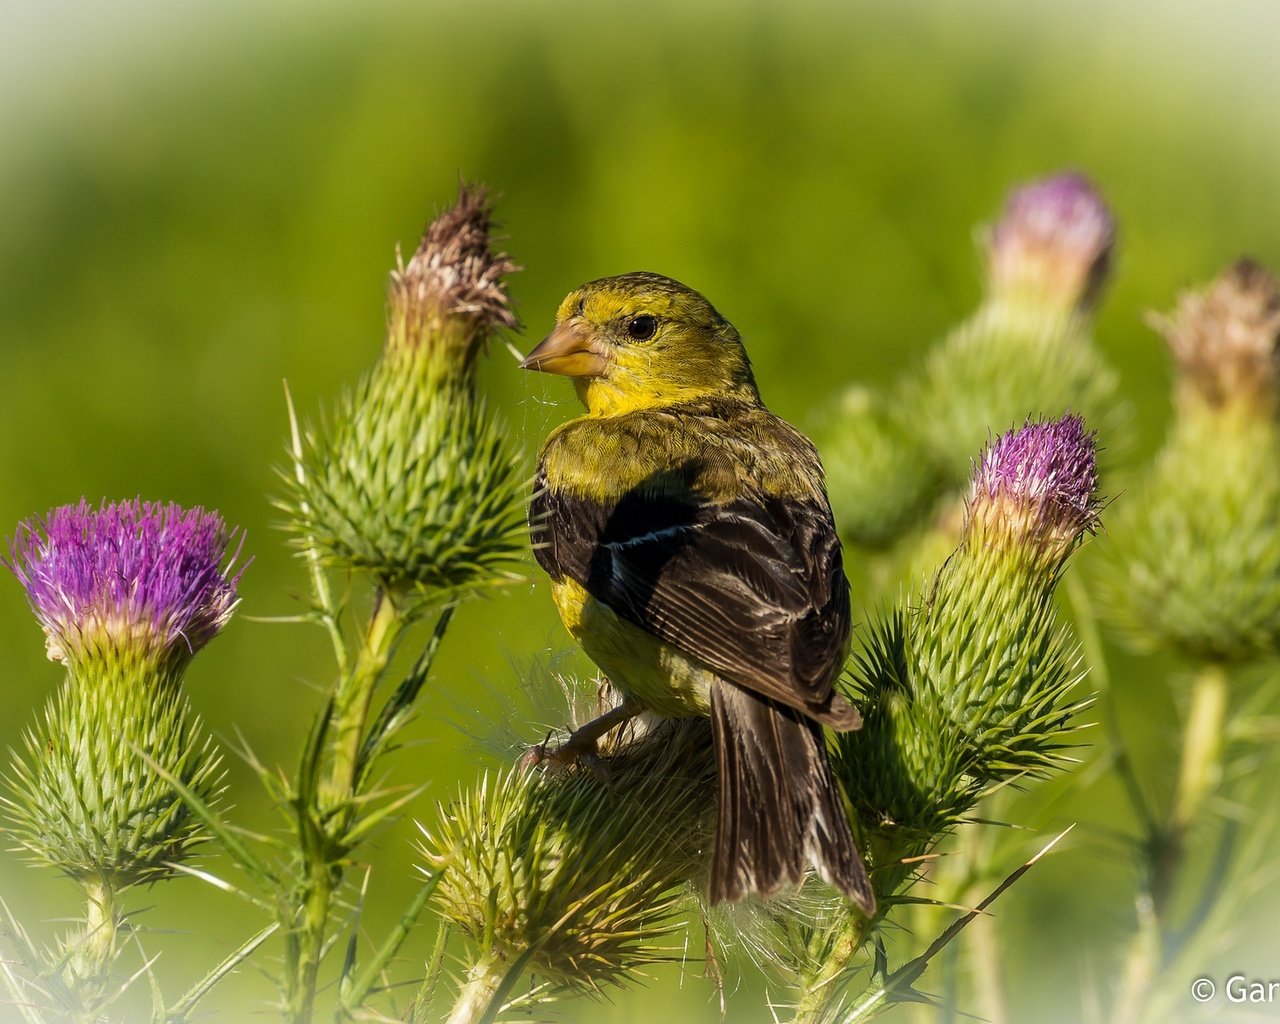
1038,484
130,573
1053,240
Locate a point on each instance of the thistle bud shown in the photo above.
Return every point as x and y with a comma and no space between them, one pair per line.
1052,245
575,877
126,595
412,481
880,478
1196,566
970,685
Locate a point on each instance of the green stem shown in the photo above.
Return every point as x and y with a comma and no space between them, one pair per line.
1086,623
1199,774
985,959
821,991
489,982
102,922
90,968
1140,965
1201,768
354,696
308,947
323,839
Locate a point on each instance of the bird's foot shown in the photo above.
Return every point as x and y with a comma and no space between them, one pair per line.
581,748
576,751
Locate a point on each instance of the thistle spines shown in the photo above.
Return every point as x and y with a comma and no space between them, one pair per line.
412,480
87,793
971,684
578,878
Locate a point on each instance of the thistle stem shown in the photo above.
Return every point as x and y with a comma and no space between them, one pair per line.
985,958
102,921
1201,768
822,989
325,845
89,969
489,981
355,694
306,951
1199,773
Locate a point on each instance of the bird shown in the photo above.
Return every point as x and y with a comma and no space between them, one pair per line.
693,556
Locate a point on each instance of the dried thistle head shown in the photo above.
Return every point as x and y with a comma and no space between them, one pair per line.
451,296
1225,338
1196,566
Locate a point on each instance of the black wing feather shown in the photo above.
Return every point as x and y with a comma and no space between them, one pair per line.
753,588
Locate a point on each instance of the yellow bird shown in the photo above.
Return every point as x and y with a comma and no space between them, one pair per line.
692,554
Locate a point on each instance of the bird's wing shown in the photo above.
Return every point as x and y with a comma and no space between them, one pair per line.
754,588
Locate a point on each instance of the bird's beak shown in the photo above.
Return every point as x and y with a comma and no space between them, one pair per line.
566,350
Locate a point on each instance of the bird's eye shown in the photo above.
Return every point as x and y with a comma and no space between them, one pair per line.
642,328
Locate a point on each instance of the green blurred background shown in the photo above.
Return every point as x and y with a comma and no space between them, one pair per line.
201,200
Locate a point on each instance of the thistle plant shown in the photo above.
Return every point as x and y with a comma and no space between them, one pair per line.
550,881
411,486
1027,350
1200,572
126,594
411,480
1196,572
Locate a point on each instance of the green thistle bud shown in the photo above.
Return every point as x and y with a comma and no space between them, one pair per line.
412,479
1027,352
970,686
880,478
576,878
126,595
1196,551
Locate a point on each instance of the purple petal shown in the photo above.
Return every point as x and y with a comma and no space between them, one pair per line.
1050,466
133,571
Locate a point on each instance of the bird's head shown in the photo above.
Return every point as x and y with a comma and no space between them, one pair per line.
640,341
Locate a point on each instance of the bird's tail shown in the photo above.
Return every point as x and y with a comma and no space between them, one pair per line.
780,807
